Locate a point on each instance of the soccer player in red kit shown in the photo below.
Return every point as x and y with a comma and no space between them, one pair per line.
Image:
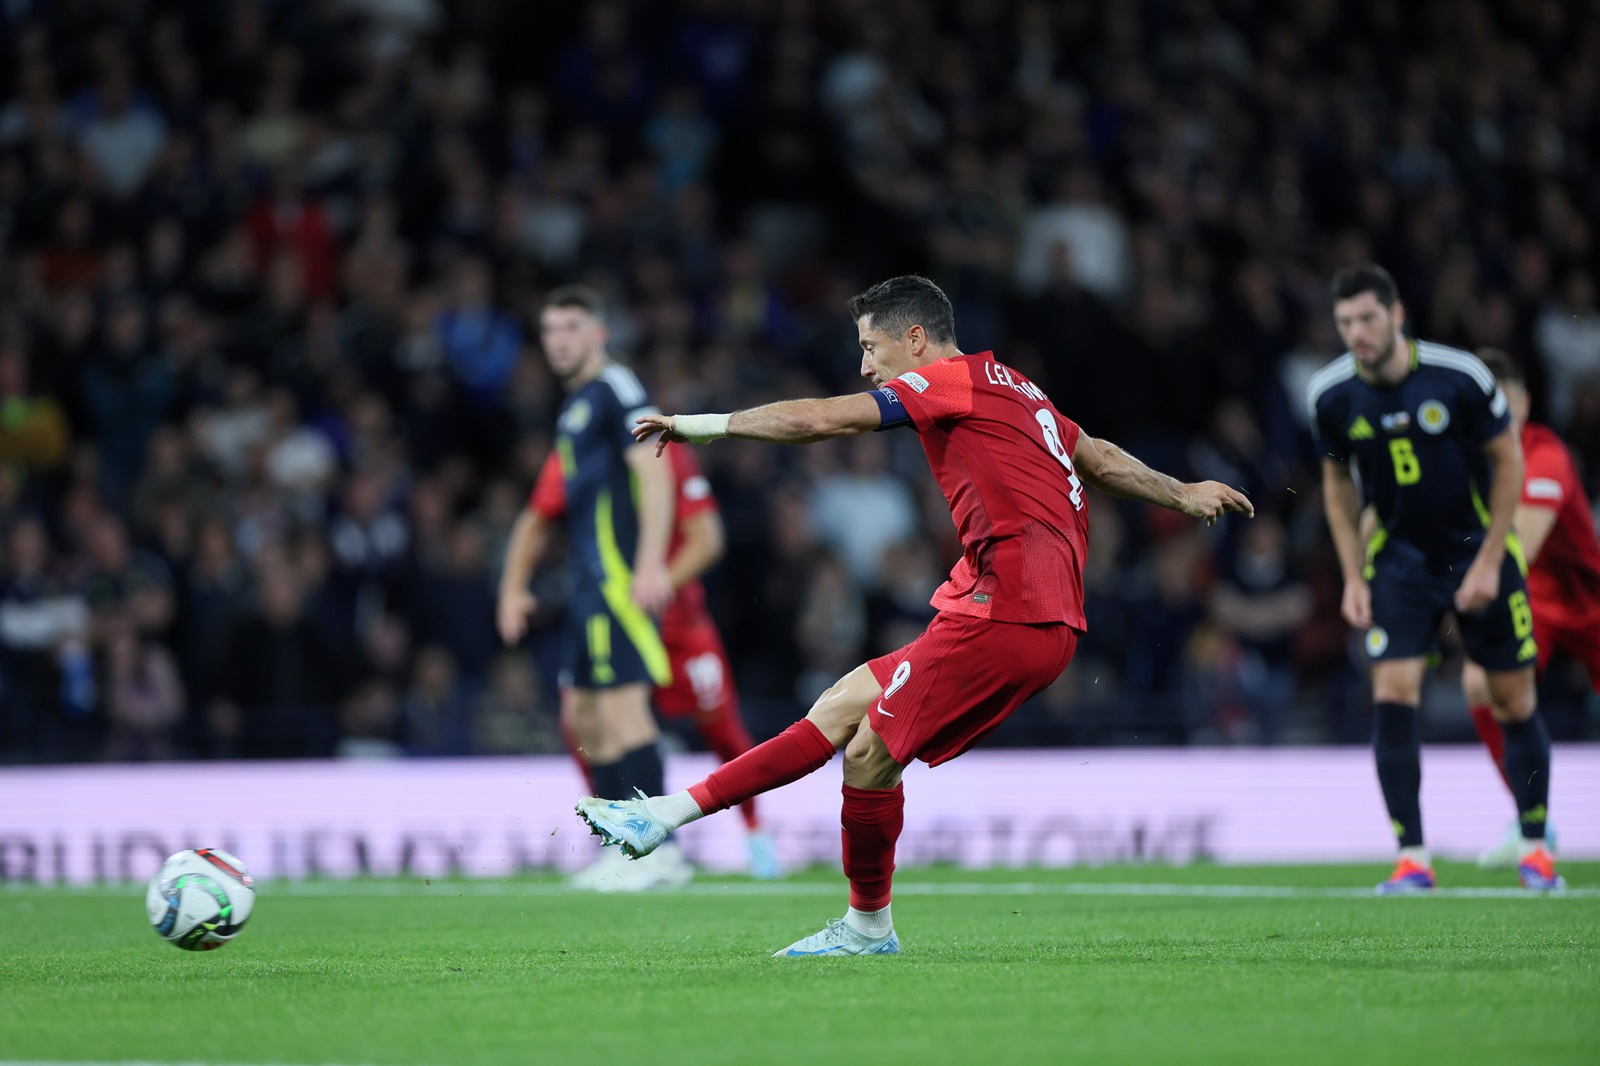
1557,533
702,679
1013,469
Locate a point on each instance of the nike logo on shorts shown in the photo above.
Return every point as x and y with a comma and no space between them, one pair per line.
883,712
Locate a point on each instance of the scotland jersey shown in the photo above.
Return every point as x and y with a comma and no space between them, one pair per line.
593,434
1418,447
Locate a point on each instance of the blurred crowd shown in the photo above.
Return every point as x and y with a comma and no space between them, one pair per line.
270,395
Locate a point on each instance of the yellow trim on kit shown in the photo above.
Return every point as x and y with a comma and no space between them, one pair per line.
1374,546
1514,549
600,649
569,461
1513,545
617,588
1477,504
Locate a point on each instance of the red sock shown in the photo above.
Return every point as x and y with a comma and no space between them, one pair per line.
871,823
1493,738
577,755
792,754
728,738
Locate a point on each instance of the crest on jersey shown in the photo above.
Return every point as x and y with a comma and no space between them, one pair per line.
915,380
1433,416
1377,641
577,417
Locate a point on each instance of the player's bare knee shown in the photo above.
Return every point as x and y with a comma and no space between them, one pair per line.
1512,697
867,762
840,709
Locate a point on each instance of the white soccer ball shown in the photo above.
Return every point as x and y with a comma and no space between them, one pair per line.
200,899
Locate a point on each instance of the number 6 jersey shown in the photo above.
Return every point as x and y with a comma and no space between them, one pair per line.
1002,454
1418,447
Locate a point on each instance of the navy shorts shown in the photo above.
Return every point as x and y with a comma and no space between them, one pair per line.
608,641
1410,601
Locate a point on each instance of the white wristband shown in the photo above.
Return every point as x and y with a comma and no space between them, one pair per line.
700,429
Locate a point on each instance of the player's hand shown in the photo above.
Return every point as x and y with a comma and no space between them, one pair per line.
1479,588
1212,499
511,615
652,588
649,425
1356,607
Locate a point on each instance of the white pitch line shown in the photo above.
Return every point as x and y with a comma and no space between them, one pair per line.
381,889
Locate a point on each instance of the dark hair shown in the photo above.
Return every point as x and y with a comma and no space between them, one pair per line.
1368,277
580,296
1501,365
900,303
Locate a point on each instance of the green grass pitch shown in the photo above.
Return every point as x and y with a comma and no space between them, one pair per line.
1121,965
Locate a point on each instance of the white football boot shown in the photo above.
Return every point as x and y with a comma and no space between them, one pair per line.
840,938
625,823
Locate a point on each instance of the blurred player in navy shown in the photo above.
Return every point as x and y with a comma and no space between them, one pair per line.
702,678
1012,468
1558,539
619,506
1431,437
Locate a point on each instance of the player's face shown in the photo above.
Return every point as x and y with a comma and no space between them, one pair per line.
571,338
1368,328
885,357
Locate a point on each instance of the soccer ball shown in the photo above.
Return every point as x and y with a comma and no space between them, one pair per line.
200,899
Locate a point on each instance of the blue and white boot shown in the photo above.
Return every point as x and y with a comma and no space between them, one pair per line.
625,823
840,938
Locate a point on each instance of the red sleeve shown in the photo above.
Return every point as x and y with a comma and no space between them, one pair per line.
939,392
694,491
1548,474
549,497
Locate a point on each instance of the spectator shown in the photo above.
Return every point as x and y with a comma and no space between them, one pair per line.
44,626
1261,603
33,429
144,697
277,677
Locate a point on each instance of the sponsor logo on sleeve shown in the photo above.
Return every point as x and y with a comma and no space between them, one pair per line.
915,380
1543,488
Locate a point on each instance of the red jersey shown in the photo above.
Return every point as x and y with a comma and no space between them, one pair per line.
1002,454
1564,581
549,501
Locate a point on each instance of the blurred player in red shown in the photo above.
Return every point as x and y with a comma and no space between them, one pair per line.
702,680
1010,465
1558,539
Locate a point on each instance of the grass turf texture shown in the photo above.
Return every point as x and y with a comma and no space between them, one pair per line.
402,972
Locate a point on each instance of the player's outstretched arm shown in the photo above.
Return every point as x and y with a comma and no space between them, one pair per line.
515,603
787,422
1110,469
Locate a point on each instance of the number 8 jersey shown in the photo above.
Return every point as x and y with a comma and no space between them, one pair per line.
1002,454
1418,447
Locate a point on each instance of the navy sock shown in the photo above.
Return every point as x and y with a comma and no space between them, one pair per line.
1397,743
1528,771
608,780
642,768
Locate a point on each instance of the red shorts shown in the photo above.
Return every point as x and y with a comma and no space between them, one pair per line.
1582,642
955,684
702,679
